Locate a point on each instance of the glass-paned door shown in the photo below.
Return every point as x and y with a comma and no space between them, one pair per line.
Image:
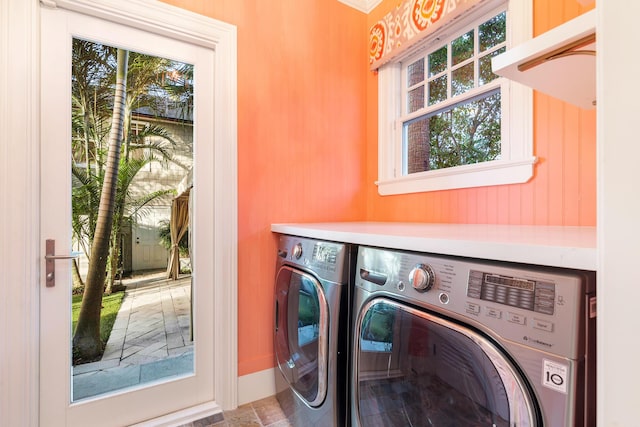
126,123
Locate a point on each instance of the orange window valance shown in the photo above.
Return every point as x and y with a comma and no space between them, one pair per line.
408,23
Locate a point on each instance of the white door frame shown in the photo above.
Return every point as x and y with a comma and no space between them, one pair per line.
21,244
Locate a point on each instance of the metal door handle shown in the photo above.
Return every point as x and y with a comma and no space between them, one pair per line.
50,261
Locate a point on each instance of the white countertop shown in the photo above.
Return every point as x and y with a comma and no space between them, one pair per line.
557,246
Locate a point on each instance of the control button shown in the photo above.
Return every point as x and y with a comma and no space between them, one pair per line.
296,252
544,309
516,318
400,286
422,277
473,308
492,312
444,298
543,325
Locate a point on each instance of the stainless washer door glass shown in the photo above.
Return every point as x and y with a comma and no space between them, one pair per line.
415,369
301,335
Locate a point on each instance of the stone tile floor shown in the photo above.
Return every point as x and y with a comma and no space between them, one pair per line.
150,339
261,413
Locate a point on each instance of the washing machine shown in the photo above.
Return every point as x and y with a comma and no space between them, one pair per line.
445,341
311,331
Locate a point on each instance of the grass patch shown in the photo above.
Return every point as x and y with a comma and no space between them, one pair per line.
110,306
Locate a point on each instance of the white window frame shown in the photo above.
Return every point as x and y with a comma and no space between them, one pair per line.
517,159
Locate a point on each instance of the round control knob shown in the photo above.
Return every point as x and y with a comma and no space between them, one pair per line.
422,277
296,252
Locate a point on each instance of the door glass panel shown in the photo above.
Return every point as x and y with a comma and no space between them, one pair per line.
132,163
412,371
301,324
308,318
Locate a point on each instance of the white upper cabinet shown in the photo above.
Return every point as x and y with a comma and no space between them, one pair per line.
560,62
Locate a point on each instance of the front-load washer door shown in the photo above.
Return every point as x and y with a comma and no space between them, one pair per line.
415,369
301,333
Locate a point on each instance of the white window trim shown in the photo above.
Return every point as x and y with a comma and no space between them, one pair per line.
516,166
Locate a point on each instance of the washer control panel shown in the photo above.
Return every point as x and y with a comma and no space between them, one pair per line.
537,307
528,294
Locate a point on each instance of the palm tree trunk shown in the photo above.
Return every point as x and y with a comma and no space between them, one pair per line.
86,340
114,257
77,278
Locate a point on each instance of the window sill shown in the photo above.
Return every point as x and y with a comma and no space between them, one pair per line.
496,172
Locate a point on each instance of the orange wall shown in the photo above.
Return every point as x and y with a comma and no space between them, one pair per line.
562,191
301,135
307,144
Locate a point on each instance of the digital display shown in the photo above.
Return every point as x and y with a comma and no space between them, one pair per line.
325,253
527,285
531,295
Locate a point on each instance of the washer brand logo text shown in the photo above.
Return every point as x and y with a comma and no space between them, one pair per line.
537,341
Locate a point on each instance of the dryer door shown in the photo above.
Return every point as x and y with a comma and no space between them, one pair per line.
301,333
413,368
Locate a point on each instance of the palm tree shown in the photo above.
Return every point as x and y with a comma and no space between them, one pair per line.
126,205
86,340
147,83
86,195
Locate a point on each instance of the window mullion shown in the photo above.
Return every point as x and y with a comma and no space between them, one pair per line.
448,70
476,57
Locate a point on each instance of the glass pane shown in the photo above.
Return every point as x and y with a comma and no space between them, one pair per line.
438,90
377,329
462,79
415,72
415,99
462,48
142,275
466,133
308,315
438,61
297,348
493,32
486,72
417,143
425,374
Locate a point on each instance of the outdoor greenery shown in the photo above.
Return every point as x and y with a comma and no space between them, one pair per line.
308,311
378,323
110,307
164,232
108,86
463,132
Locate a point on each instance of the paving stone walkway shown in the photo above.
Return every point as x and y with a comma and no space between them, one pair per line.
150,339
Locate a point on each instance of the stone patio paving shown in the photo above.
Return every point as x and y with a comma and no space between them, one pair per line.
150,339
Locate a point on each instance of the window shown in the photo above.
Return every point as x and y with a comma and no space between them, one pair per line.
445,119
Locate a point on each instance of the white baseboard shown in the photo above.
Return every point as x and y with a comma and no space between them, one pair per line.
251,387
184,416
256,386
